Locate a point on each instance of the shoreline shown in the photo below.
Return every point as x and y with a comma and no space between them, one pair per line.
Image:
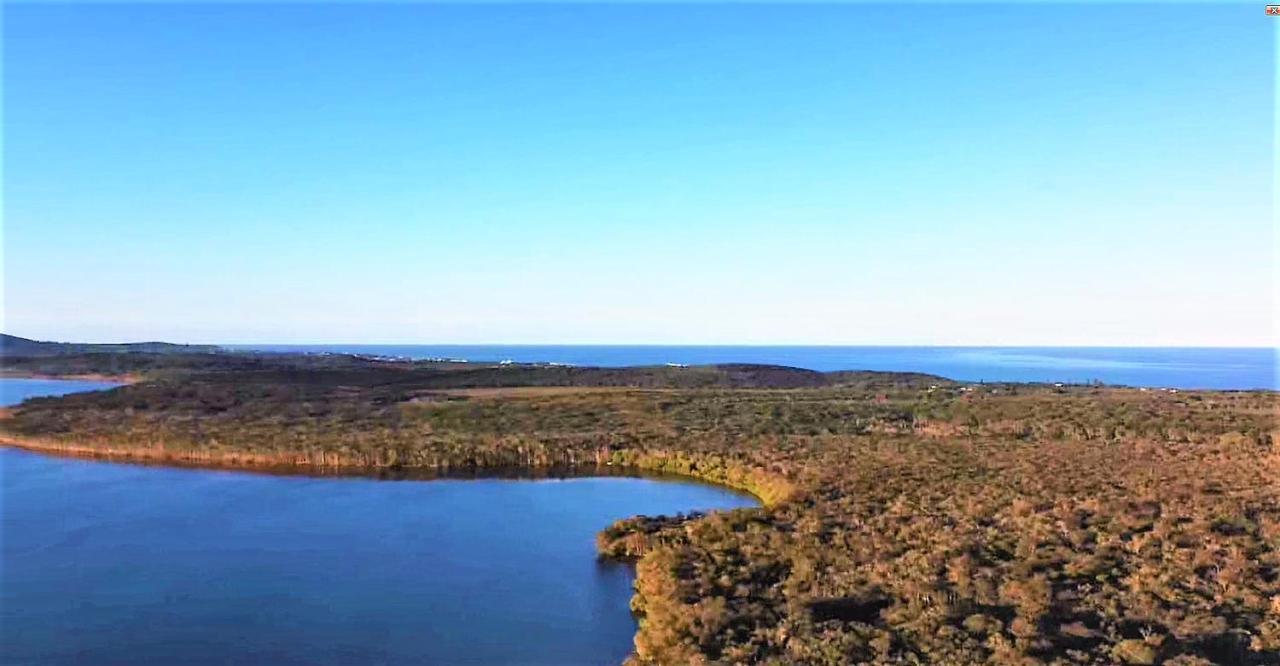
120,380
298,464
270,466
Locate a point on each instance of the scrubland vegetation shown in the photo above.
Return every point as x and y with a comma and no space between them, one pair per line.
907,519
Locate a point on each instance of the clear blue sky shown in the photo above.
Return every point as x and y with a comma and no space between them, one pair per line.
910,174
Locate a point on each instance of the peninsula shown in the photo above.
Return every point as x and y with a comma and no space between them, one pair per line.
907,518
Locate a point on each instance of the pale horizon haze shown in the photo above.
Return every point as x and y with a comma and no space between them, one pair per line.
856,174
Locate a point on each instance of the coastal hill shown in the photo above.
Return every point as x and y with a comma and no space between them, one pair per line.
55,358
12,345
906,518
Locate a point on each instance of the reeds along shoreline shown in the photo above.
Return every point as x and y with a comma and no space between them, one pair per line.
768,490
120,379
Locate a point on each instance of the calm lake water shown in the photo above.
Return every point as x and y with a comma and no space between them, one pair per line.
107,563
14,391
1176,367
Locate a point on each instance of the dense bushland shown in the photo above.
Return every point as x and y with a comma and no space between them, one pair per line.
908,519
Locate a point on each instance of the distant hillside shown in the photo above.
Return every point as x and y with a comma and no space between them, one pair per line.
399,375
12,345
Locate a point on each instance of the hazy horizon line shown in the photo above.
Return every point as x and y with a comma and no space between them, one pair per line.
1007,345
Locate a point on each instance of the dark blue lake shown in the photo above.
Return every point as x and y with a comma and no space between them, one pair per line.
106,563
1175,367
14,391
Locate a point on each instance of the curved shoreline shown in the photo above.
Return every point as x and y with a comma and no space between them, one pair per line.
269,523
265,465
279,465
120,380
299,464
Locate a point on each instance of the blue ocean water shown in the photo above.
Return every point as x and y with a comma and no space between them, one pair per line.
1174,367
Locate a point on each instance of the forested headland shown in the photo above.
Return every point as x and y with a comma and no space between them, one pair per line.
907,518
